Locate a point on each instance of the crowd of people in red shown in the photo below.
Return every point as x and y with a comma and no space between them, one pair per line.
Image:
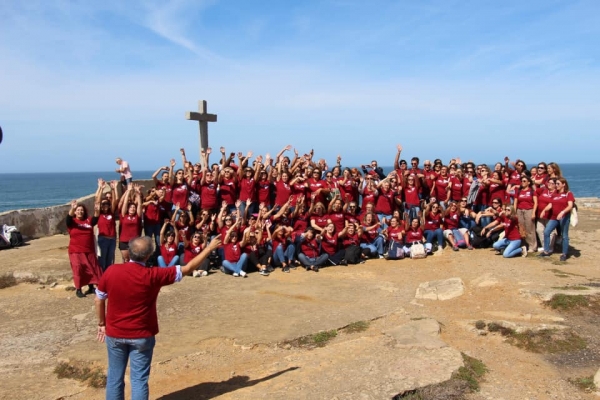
282,212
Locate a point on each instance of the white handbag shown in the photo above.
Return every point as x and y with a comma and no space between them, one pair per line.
417,250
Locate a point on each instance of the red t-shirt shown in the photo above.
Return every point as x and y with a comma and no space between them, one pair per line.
81,234
208,195
451,221
395,234
385,202
511,228
525,198
152,214
131,227
248,189
440,188
132,290
456,188
329,244
351,240
560,202
192,251
433,222
313,186
168,251
544,198
320,220
310,248
338,220
414,235
369,235
411,195
232,251
180,194
368,196
228,190
264,192
283,191
107,225
168,190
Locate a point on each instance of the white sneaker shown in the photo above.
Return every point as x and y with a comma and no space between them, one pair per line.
196,274
235,274
381,256
204,273
523,251
243,274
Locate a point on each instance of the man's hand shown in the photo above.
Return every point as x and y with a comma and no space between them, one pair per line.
101,335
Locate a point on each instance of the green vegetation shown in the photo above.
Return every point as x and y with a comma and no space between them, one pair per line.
321,338
541,341
94,377
571,287
480,324
559,272
464,381
586,383
358,326
567,302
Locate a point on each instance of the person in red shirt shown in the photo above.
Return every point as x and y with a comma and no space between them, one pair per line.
310,254
510,245
164,182
560,207
194,247
130,221
432,221
82,251
395,236
544,197
234,259
168,248
130,323
107,225
526,205
414,234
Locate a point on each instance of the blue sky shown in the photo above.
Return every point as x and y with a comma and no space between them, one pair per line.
83,82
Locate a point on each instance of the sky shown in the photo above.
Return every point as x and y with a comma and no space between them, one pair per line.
83,82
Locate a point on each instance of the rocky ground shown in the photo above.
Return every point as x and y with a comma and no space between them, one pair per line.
224,337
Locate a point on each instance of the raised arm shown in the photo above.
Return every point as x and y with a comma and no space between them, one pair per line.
398,153
125,202
195,262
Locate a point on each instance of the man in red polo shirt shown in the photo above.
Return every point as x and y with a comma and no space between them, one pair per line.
130,324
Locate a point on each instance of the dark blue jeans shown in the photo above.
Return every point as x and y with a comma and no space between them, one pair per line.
563,225
107,251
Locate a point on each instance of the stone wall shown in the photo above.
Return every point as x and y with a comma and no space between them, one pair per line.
40,222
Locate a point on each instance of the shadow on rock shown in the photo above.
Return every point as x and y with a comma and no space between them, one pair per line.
209,390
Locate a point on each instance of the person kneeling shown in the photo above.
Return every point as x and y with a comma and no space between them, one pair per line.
510,245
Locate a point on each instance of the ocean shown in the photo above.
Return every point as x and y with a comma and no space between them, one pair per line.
38,190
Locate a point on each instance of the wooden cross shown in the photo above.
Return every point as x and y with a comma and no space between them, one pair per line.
203,119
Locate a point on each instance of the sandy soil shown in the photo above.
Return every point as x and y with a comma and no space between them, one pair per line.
222,337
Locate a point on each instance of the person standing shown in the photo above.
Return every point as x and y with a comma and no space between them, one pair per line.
82,251
130,323
124,170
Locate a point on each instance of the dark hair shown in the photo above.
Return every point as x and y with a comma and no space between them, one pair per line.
415,159
141,248
85,211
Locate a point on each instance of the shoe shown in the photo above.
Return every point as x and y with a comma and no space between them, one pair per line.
79,294
243,274
235,274
270,269
497,253
344,263
90,290
470,247
222,269
523,251
362,261
286,269
264,272
315,268
381,256
544,254
196,274
563,257
293,265
204,273
455,248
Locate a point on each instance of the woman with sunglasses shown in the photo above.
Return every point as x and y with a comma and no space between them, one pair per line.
317,187
412,201
348,187
510,245
432,222
384,204
525,203
310,254
456,235
559,210
252,245
541,176
107,224
168,248
441,187
192,249
130,220
395,239
514,175
283,248
414,234
368,191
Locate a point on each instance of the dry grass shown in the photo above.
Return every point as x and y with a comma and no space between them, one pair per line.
93,376
566,302
7,280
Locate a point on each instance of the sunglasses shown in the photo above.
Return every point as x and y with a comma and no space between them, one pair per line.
495,202
541,167
328,176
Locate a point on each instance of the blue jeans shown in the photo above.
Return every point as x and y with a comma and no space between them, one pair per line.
376,246
153,230
314,261
438,233
563,225
163,264
120,351
280,256
413,211
512,248
107,251
236,267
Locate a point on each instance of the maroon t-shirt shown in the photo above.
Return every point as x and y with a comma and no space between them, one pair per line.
131,227
81,234
132,290
107,225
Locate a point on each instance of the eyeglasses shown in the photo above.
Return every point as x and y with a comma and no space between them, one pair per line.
524,180
427,165
435,207
414,163
463,200
228,219
495,202
328,176
351,206
196,237
541,167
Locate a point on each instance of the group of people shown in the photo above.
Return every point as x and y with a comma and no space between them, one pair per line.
283,213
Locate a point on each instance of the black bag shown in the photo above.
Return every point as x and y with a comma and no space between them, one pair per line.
353,253
16,239
4,244
482,242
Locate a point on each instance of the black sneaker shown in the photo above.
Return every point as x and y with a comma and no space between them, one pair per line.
79,294
315,268
264,272
286,269
90,290
563,257
344,263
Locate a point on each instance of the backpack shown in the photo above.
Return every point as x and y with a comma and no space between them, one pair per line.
16,239
353,254
4,244
396,251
